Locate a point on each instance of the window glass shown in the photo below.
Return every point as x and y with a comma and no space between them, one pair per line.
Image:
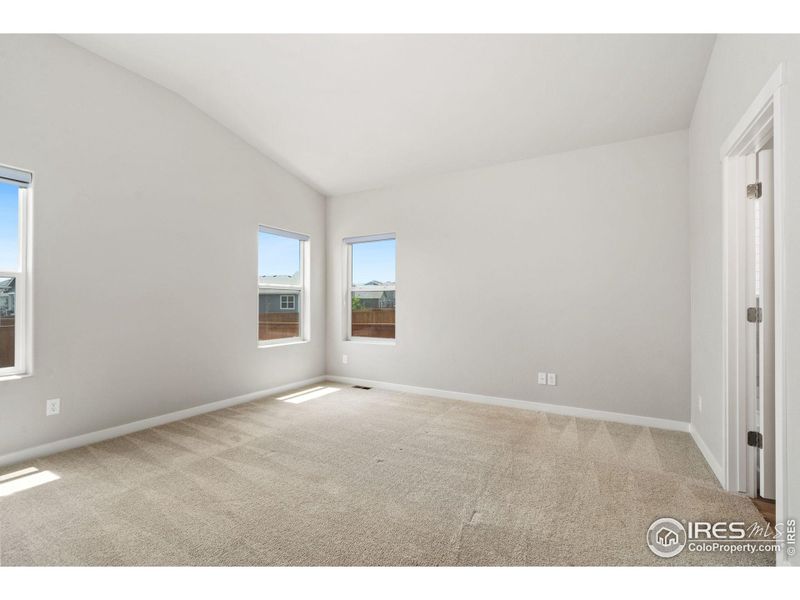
8,314
278,259
372,289
9,227
280,285
14,276
374,263
276,319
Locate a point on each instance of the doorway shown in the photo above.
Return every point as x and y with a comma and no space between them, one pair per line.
753,308
759,278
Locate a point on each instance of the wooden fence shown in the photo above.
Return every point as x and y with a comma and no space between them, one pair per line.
369,322
273,326
373,322
6,342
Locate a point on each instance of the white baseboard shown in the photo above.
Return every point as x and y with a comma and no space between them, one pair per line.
584,413
600,415
112,432
706,452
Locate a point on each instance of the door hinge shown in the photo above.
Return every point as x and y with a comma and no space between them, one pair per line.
753,191
755,439
755,314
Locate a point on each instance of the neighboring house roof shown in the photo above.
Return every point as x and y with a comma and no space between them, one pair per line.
6,285
374,282
279,279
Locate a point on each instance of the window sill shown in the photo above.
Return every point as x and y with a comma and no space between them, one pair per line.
4,378
279,344
373,341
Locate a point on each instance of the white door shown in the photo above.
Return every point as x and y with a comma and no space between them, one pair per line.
761,323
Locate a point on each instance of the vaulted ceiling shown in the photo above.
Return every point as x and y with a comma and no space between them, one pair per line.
354,112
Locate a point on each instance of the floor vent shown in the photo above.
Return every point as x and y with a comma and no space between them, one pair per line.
362,387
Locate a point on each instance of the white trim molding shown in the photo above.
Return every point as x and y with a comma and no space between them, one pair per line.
716,468
350,288
303,289
120,430
21,274
557,409
750,128
765,118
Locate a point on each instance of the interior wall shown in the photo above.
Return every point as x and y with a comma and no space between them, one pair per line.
575,263
739,68
145,249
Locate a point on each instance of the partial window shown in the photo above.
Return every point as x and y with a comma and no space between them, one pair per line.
288,302
371,299
282,287
14,270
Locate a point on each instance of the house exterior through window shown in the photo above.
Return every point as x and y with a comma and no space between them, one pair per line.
15,198
371,287
288,301
282,286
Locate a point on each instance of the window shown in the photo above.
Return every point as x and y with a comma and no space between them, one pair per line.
370,300
14,271
282,286
287,302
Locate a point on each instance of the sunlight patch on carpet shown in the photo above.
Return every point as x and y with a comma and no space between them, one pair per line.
306,395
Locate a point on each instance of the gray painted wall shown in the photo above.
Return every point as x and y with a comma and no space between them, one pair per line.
146,220
575,263
739,68
139,196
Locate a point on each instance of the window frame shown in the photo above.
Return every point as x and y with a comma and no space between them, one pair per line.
349,288
23,356
302,290
288,298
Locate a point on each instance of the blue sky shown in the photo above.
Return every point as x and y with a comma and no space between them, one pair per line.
277,255
374,261
9,224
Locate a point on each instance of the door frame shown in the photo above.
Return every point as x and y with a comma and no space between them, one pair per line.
765,119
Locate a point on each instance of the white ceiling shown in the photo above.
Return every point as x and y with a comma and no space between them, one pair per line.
353,112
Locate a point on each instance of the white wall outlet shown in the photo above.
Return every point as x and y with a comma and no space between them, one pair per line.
53,407
542,379
551,379
699,403
344,359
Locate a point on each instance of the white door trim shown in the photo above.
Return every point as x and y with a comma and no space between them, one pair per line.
764,119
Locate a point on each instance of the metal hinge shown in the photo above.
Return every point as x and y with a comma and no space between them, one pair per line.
755,315
753,191
755,439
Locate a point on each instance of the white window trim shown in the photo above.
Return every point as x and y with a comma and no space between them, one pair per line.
349,288
23,329
303,291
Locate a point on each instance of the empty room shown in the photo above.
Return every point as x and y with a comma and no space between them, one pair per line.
417,300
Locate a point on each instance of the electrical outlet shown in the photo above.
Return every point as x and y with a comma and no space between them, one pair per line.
699,403
344,359
551,379
53,407
542,379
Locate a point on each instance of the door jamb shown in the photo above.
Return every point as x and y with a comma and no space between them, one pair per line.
764,118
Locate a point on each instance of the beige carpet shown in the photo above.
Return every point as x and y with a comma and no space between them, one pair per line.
356,477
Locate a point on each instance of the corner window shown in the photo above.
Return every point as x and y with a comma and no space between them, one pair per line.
371,287
14,271
282,286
